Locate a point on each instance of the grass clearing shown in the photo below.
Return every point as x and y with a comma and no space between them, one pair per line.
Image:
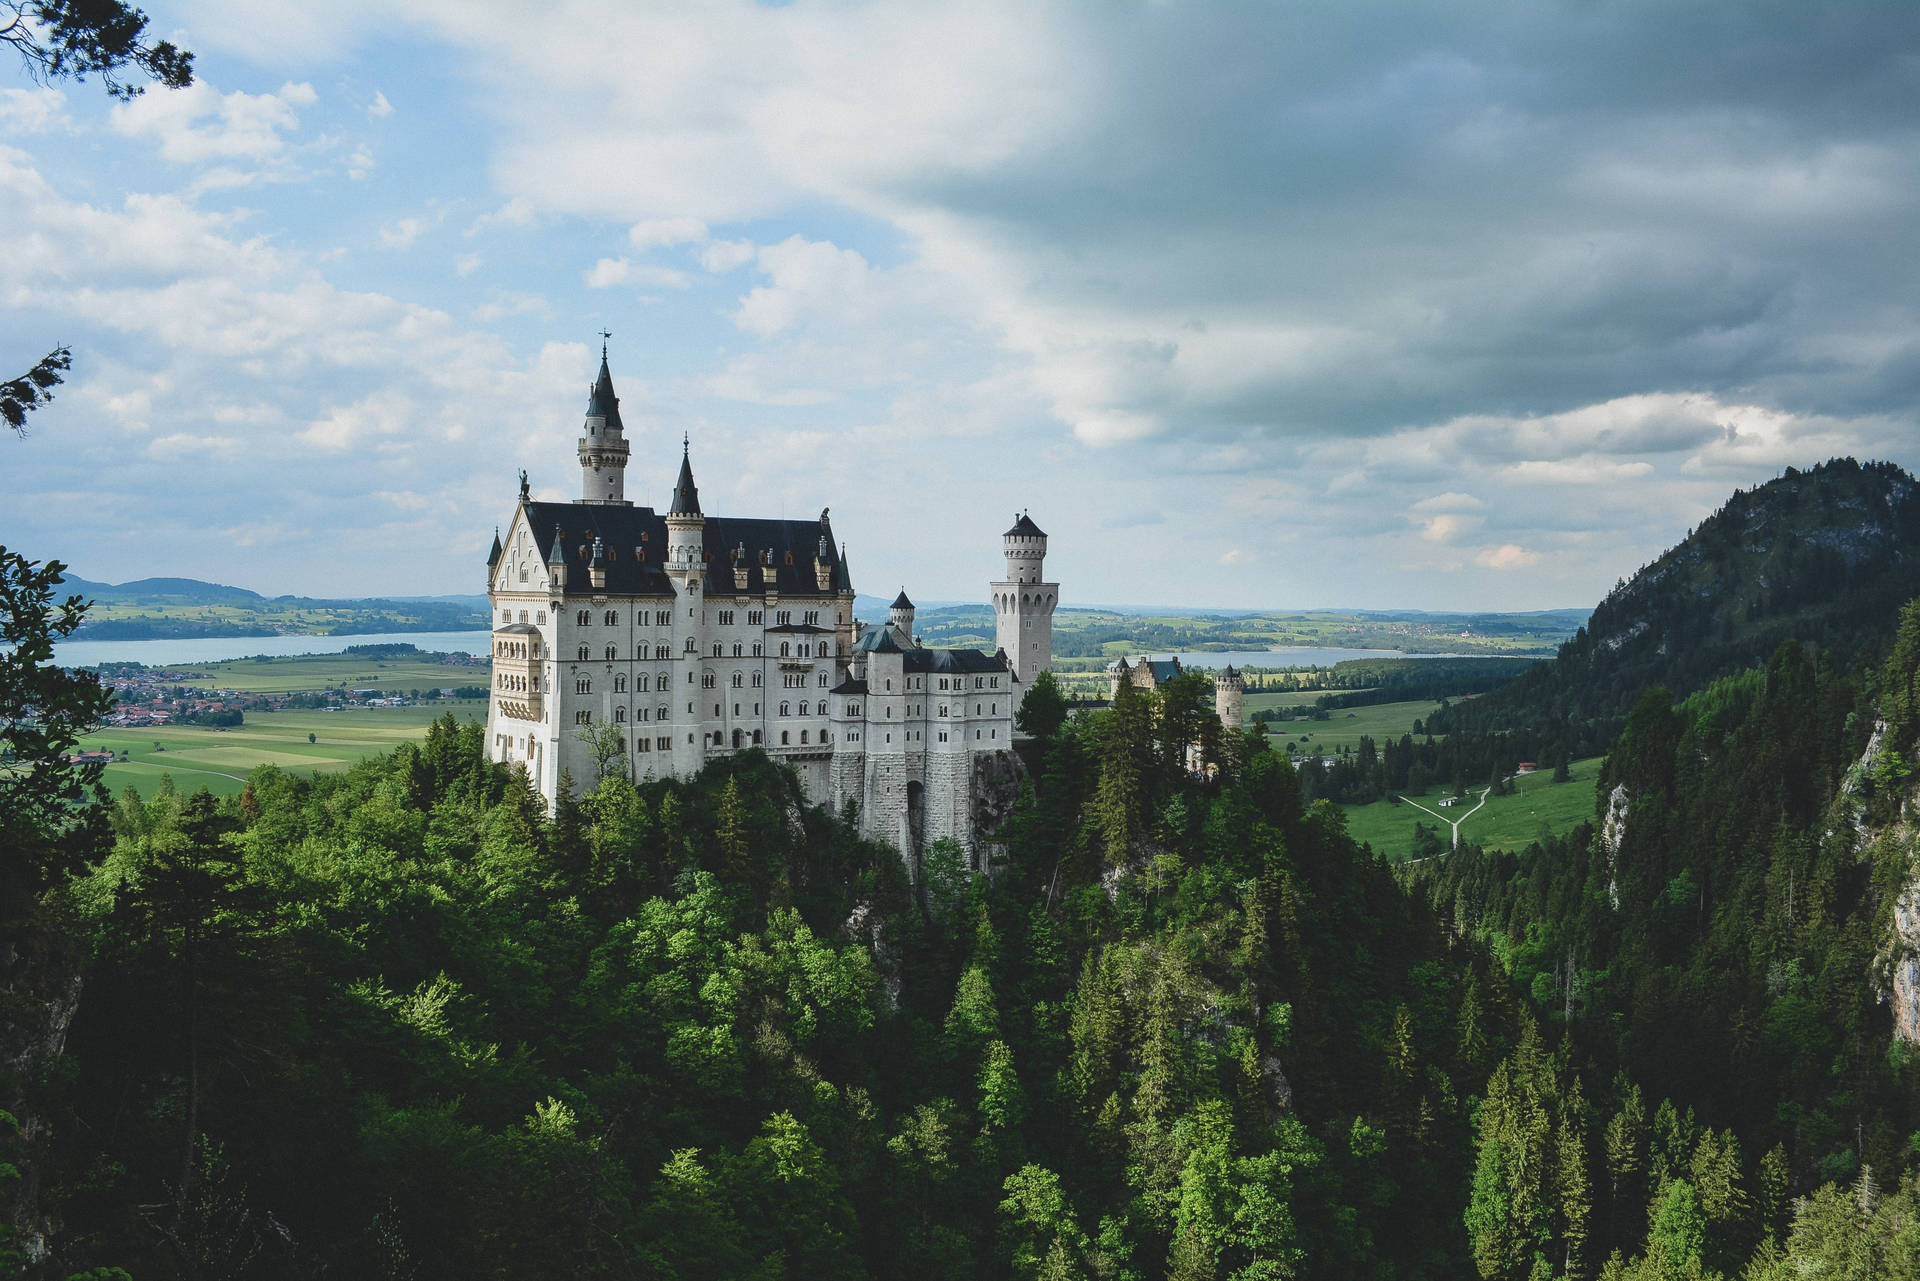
285,675
219,759
1380,722
1504,823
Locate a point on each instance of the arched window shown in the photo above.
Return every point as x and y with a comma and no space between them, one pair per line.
786,709
739,679
736,649
619,684
612,619
756,738
784,740
584,656
583,717
690,646
756,680
584,618
784,647
716,649
610,653
821,710
660,680
659,651
706,680
803,736
823,649
583,686
619,715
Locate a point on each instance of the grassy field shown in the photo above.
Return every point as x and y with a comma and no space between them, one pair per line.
218,759
323,671
1380,722
1504,823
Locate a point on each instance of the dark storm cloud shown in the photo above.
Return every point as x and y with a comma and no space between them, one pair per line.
1418,213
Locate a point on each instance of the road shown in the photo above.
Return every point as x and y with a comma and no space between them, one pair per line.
1456,822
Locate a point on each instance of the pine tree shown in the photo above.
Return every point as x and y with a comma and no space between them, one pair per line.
1575,1191
1626,1141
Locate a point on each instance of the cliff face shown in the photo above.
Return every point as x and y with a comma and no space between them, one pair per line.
39,995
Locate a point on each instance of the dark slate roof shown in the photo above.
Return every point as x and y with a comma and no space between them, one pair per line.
877,640
901,601
1229,673
1025,526
849,687
493,557
635,544
686,498
602,401
948,661
519,629
805,629
1164,669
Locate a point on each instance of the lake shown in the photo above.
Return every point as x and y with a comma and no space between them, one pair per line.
1292,656
173,653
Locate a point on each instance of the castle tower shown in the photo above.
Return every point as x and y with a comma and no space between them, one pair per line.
900,618
603,449
1228,689
685,525
1023,604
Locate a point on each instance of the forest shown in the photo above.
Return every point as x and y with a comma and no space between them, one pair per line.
402,1022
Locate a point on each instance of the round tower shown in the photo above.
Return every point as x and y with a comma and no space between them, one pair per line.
603,446
1228,691
1023,602
900,617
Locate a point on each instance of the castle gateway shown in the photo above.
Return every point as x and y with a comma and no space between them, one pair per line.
654,643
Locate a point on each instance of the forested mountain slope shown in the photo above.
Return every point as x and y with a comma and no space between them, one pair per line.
1825,557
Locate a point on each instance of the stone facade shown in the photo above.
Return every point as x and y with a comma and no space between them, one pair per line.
658,642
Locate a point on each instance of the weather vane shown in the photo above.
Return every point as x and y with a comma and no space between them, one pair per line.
604,335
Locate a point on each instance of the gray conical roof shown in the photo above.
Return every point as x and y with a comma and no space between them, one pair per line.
686,498
901,601
558,556
601,401
493,557
1026,526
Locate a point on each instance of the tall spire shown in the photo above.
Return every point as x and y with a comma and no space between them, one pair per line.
601,402
686,498
603,441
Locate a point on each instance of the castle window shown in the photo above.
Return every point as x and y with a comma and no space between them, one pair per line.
659,651
706,680
662,617
756,649
583,686
584,618
610,653
736,649
756,738
620,715
755,617
583,717
786,709
541,617
784,740
943,709
889,684
820,709
506,616
612,619
739,679
660,714
716,713
853,709
660,679
783,617
757,678
813,618
642,744
619,684
584,655
783,649
690,648
823,680
943,736
823,649
803,737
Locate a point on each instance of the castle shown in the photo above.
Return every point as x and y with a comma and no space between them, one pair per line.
1229,687
628,640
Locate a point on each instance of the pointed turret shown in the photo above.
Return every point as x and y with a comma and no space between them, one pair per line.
603,443
686,497
557,559
493,557
900,617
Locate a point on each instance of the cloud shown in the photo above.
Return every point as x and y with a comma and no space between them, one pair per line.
722,256
402,234
1448,526
656,233
379,107
1506,556
360,164
609,272
24,111
466,264
199,124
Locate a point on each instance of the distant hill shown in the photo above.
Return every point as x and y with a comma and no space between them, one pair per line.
1825,557
180,608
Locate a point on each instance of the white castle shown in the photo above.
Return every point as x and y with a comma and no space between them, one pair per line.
686,637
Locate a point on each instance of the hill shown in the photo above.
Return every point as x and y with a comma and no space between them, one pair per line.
151,608
1825,557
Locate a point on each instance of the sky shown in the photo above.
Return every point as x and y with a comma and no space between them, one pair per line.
1427,306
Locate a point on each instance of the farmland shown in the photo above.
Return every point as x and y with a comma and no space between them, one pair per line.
219,759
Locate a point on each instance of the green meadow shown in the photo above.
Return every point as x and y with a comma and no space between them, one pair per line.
286,675
219,759
1539,805
1380,722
